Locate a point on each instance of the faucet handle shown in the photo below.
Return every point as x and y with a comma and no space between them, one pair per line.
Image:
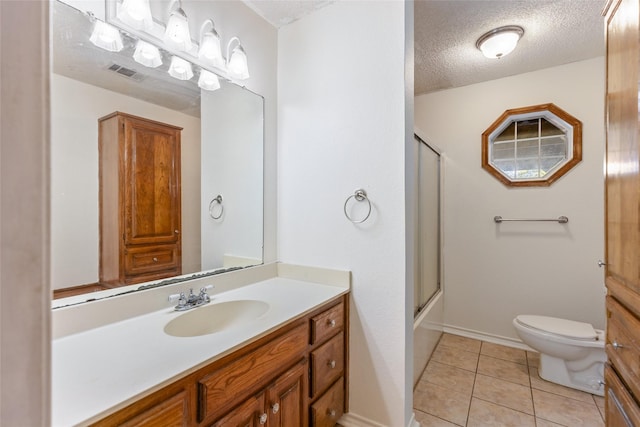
203,293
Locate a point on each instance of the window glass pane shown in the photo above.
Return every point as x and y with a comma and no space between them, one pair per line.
503,150
506,167
549,163
508,134
527,148
548,129
556,146
528,129
527,169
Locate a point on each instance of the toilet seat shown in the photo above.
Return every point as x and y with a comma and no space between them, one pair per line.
562,327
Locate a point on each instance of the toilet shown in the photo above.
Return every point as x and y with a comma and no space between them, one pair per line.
571,353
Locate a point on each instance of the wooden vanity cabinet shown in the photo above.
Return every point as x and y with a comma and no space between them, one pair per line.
140,196
622,225
294,377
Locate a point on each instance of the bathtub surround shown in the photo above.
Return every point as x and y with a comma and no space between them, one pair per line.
495,272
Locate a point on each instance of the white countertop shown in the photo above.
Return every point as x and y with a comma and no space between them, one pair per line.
98,371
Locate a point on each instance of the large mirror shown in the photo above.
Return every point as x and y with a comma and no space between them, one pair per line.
221,156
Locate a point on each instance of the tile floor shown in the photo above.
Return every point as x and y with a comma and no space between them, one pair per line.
475,383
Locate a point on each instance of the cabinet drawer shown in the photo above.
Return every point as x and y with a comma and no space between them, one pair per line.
623,339
327,363
144,260
173,411
327,410
327,323
621,410
220,390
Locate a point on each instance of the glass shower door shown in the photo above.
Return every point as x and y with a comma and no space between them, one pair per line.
427,274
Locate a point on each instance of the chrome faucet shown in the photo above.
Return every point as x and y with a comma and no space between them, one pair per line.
192,300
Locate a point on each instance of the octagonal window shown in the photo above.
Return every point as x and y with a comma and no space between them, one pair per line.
532,146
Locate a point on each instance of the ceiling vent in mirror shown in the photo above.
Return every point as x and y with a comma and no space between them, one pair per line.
126,72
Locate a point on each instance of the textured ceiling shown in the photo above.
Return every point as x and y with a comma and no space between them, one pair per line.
556,32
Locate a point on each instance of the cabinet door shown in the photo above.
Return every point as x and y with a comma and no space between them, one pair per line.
249,414
152,184
286,398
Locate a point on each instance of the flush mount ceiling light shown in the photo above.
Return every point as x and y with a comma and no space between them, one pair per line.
499,42
180,69
147,54
136,13
237,63
210,50
208,80
106,36
177,35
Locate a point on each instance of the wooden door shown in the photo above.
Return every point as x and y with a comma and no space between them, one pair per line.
152,191
622,223
249,414
286,398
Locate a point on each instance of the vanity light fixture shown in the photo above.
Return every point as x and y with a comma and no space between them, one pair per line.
177,35
499,42
136,13
147,54
106,37
180,69
210,50
208,80
237,62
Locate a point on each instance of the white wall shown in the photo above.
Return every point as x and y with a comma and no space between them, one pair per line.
341,123
495,272
75,109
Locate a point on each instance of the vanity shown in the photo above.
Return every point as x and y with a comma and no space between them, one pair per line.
271,348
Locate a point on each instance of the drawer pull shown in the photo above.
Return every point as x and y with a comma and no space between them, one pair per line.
331,364
331,412
616,346
155,259
263,419
331,323
275,408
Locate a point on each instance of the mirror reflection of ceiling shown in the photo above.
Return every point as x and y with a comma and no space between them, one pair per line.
74,54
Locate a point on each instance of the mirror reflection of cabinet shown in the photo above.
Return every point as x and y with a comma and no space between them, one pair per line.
140,217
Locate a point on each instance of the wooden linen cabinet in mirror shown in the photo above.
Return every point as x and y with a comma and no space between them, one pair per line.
140,213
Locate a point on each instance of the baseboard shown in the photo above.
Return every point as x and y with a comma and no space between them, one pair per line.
353,420
483,336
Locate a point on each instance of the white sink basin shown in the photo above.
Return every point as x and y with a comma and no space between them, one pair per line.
215,317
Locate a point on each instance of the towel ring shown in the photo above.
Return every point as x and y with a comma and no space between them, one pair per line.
217,199
360,196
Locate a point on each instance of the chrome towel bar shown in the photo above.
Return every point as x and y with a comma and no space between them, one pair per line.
562,220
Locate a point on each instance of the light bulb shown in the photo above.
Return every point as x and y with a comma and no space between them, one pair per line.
106,37
147,54
177,35
136,13
180,69
237,65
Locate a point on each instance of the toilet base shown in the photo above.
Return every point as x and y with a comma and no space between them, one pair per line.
587,376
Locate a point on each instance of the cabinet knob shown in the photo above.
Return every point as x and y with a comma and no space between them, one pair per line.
601,263
275,407
331,364
331,323
263,419
616,346
176,231
331,412
155,259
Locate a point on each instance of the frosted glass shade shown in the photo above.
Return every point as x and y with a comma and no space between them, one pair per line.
499,42
177,35
147,54
237,66
180,69
208,80
210,50
106,37
136,13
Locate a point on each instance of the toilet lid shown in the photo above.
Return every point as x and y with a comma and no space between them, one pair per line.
562,327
